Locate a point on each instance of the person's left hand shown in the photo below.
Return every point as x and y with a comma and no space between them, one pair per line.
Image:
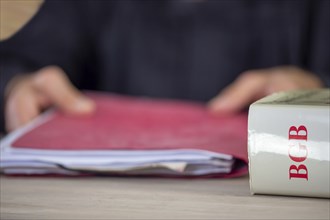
255,84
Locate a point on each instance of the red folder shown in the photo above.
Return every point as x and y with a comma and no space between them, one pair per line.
131,123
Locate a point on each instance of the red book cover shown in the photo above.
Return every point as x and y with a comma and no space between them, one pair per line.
130,123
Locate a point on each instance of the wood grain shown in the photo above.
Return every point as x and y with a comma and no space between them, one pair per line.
148,198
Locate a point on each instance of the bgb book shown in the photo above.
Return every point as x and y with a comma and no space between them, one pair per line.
288,144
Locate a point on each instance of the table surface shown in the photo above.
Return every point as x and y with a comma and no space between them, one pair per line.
148,198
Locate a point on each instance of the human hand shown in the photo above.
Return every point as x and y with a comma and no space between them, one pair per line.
27,96
255,84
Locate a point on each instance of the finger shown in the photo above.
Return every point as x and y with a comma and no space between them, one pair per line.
292,78
21,107
247,88
53,82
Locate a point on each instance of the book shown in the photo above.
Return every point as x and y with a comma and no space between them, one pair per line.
130,136
288,144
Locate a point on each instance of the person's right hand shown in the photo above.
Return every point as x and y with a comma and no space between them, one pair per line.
27,96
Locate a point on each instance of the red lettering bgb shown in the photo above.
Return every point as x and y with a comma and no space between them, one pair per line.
302,153
299,134
298,173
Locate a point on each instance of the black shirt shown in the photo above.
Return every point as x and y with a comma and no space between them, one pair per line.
185,49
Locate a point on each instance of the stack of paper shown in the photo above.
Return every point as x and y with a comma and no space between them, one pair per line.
129,136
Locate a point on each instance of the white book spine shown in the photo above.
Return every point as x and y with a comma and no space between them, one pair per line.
288,144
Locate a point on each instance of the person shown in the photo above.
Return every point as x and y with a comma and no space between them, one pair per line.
228,53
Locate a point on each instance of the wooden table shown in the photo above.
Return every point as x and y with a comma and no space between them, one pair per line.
148,198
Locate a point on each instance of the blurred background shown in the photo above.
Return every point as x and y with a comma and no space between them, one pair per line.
14,14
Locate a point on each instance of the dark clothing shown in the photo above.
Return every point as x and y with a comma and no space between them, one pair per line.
177,49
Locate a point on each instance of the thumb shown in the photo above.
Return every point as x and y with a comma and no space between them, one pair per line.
244,90
57,88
